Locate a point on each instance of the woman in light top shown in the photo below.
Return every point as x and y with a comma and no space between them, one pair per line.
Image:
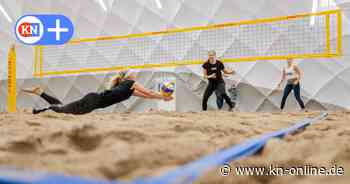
292,74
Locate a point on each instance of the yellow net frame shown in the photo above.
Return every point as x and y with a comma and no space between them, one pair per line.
329,50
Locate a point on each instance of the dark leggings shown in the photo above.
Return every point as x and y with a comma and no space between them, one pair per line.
220,93
296,90
85,105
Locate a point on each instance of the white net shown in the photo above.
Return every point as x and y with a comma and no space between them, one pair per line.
293,36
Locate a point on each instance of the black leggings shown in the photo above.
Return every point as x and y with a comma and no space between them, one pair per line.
296,90
85,105
220,93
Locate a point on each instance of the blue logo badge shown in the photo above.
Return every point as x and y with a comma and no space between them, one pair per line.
44,29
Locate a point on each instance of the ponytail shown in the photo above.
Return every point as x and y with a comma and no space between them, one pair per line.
117,79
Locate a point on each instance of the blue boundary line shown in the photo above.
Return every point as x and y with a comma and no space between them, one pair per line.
180,175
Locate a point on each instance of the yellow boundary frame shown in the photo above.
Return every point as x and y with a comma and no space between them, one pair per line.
327,54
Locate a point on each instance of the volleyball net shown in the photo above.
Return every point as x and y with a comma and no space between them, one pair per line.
309,35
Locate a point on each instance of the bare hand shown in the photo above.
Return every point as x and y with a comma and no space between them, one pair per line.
278,87
168,98
212,76
230,71
296,82
226,75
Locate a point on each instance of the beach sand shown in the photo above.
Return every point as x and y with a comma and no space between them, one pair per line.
129,145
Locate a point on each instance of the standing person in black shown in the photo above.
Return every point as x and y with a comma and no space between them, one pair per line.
212,70
122,87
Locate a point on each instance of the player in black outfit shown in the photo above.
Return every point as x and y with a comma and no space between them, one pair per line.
122,88
212,70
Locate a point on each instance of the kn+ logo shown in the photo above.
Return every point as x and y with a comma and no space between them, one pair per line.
44,29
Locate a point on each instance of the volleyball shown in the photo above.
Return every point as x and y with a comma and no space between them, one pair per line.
167,88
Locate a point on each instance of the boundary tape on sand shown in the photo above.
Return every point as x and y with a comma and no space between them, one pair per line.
180,175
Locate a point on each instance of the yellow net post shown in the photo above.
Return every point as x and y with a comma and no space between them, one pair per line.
340,31
11,99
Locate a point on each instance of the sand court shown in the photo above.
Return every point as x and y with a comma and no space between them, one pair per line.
129,145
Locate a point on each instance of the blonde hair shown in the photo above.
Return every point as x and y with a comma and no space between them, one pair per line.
117,79
212,52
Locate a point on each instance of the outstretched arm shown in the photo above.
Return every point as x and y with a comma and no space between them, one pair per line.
140,94
141,91
147,96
